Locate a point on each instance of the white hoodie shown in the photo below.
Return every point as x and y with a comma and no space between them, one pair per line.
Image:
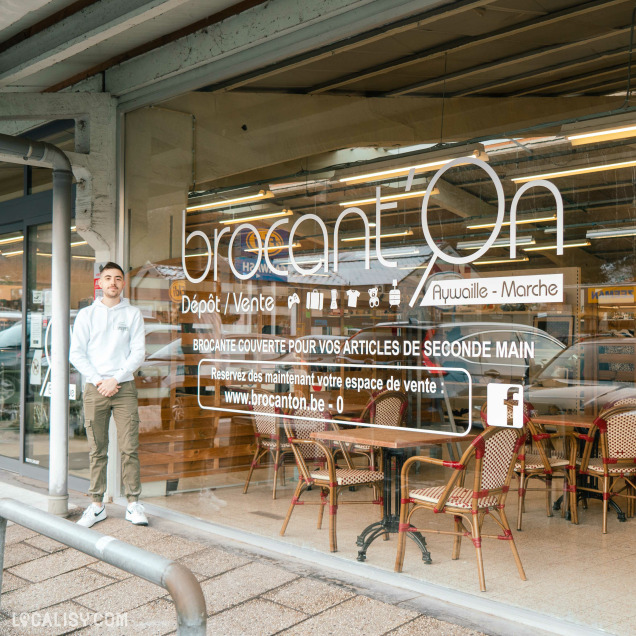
108,342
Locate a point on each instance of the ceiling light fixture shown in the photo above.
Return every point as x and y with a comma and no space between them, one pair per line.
519,222
408,251
503,260
389,197
576,171
273,248
541,248
199,254
611,232
591,131
262,194
602,135
12,239
430,162
258,217
502,242
76,243
16,253
391,235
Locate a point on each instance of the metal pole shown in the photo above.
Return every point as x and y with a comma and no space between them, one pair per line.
61,281
3,535
37,153
174,577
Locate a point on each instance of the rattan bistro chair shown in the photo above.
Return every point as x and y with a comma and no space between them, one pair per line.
494,453
616,428
267,432
538,460
386,408
329,479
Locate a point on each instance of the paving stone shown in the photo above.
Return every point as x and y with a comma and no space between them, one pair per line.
429,625
212,561
173,547
123,530
309,595
241,584
44,543
157,617
122,596
359,615
52,565
20,553
11,582
16,534
254,617
52,591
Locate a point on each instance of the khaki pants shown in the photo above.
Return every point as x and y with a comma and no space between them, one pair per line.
97,411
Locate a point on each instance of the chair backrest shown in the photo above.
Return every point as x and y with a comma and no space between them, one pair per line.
265,417
496,451
387,408
617,426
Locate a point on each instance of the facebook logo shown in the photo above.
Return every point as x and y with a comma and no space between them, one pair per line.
500,398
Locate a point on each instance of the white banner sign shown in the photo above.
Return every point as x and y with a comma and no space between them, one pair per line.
542,288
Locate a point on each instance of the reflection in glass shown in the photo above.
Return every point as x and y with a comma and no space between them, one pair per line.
39,309
10,342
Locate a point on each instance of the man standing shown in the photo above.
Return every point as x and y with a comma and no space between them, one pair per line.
107,347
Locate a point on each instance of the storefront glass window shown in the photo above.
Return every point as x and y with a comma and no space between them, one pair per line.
364,287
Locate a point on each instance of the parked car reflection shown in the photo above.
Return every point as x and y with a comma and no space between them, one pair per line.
588,374
506,353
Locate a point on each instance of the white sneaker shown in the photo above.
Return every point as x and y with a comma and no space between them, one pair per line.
92,515
135,514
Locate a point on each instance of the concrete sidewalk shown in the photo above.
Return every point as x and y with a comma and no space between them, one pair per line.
51,589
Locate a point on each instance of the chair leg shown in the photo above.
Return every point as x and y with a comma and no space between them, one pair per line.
574,510
521,498
476,537
513,545
299,489
333,510
257,454
548,495
565,499
321,507
401,547
276,463
606,497
457,543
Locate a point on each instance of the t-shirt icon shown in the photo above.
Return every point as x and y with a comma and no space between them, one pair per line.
352,297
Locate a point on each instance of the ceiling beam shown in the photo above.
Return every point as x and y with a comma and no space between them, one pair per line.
569,80
464,43
510,60
260,37
546,70
77,33
419,20
600,88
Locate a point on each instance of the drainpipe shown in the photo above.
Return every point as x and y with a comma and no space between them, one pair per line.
37,153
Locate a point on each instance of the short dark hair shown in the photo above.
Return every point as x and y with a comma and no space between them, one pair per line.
111,265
